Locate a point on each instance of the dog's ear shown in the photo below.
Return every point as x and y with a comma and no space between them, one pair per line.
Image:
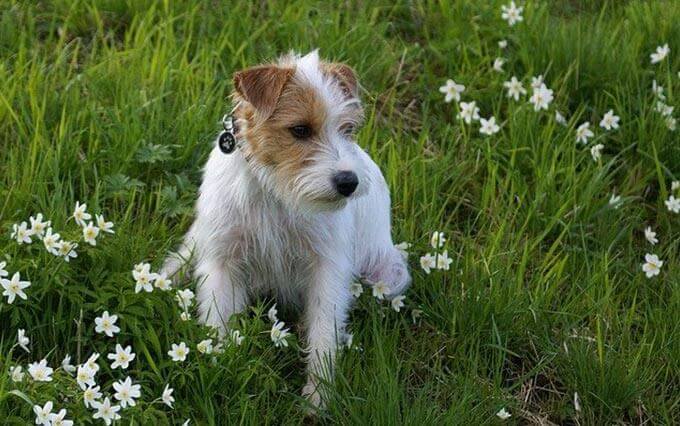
262,86
346,77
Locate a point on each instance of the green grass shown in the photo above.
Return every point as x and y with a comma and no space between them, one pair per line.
116,103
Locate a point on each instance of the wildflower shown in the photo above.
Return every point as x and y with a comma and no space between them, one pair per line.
106,411
398,303
652,265
651,235
673,204
59,419
671,123
428,262
122,357
179,352
50,241
23,340
141,266
3,271
415,315
503,44
503,414
356,289
468,111
16,374
663,109
583,133
91,362
67,250
67,366
488,127
90,233
144,278
559,118
537,82
40,372
80,215
511,13
615,201
162,282
515,88
452,91
577,402
278,334
437,239
184,298
674,186
85,377
403,248
596,151
498,64
541,97
349,338
103,225
14,287
185,316
106,324
379,290
610,121
658,91
271,314
37,225
42,414
443,261
126,392
206,346
660,54
167,397
21,233
236,337
91,395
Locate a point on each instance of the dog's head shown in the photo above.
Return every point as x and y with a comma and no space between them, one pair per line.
298,117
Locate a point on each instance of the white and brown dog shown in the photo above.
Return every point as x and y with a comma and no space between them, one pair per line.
298,210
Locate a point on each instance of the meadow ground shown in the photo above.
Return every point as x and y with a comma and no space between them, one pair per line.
116,104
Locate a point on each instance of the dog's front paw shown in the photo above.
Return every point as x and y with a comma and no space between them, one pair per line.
311,393
393,272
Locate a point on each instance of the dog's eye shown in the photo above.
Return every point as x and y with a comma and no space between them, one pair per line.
301,131
348,130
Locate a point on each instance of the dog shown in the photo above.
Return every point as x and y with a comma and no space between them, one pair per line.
297,210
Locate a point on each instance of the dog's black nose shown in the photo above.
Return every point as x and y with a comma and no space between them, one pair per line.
345,182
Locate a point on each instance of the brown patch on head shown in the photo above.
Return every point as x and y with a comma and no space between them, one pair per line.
344,75
261,86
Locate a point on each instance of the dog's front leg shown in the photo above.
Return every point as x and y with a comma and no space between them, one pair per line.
218,294
327,305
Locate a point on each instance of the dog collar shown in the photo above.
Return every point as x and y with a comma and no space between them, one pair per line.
227,138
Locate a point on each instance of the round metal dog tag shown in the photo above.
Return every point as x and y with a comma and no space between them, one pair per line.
227,142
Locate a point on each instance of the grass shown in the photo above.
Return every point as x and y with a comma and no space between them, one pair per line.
116,103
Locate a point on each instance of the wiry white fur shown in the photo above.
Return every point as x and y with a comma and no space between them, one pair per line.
252,236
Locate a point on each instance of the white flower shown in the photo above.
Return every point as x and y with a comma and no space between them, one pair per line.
498,64
141,266
206,346
541,97
91,395
91,362
403,248
559,118
42,414
468,111
537,82
85,376
67,366
610,121
663,109
106,411
428,262
126,392
348,338
583,133
437,239
674,186
452,91
356,289
615,201
179,352
37,225
59,419
185,316
122,357
162,282
512,13
3,271
271,314
14,287
40,372
651,235
660,54
443,261
596,151
184,298
652,265
90,233
673,204
488,127
106,324
186,423
236,337
278,334
80,215
658,91
16,374
415,315
671,123
23,340
67,250
21,233
577,402
380,289
50,241
144,278
503,414
167,397
398,303
103,225
515,88
503,43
